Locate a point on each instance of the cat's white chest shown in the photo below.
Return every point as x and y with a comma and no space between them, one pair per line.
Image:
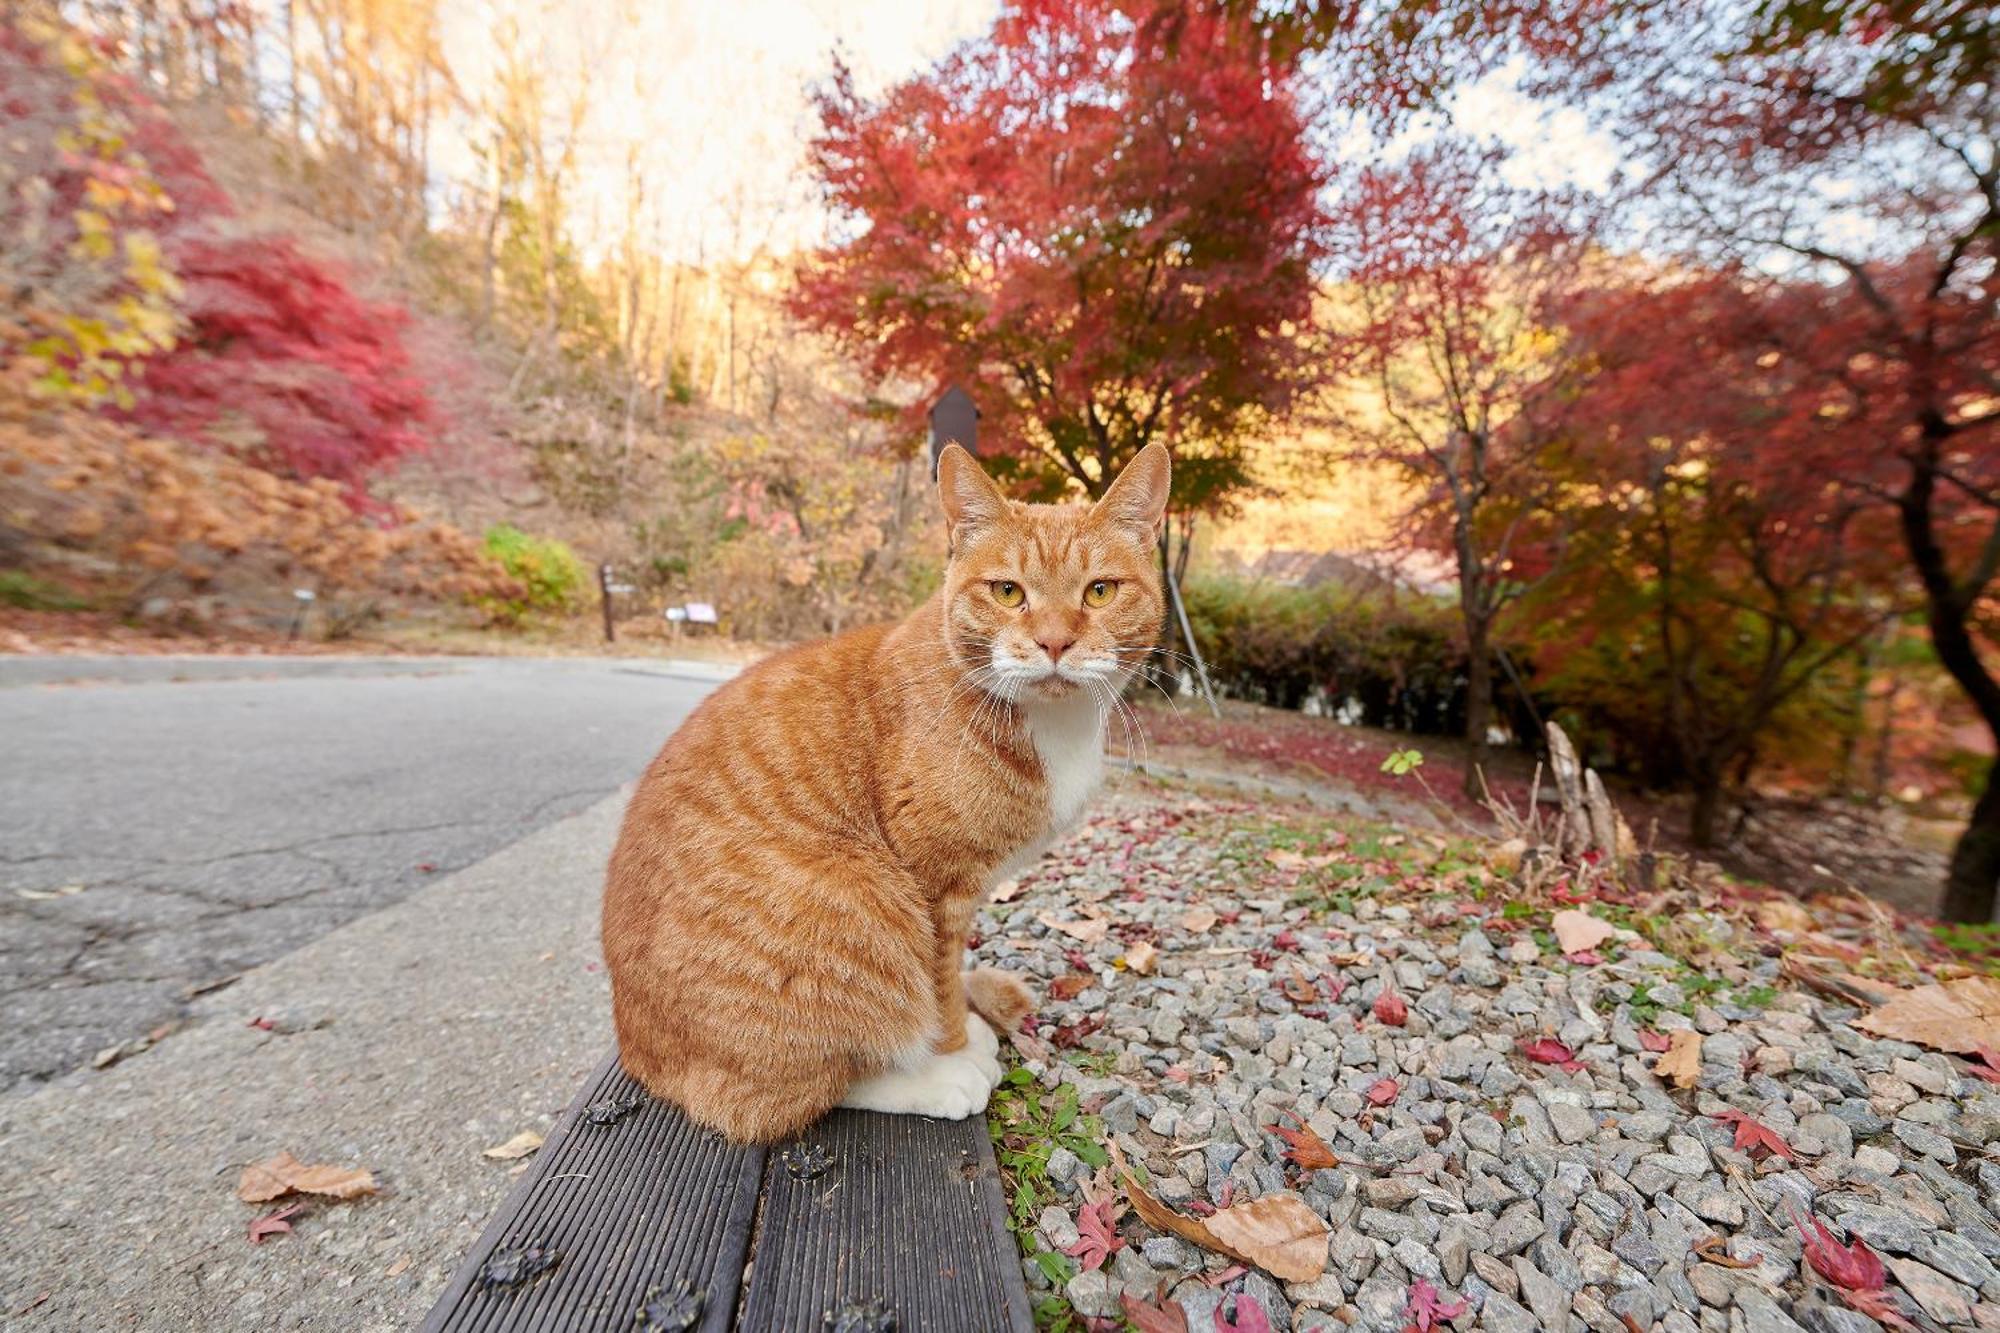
1069,736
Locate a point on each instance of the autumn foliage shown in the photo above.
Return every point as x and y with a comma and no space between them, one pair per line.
1102,220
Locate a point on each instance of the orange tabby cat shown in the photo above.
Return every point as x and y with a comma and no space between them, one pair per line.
787,908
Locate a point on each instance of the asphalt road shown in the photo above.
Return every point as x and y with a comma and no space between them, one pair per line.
166,828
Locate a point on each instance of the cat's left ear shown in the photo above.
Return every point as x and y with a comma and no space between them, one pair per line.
1138,498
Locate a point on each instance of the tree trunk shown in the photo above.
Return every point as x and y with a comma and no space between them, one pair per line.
1975,861
1478,702
1974,880
1707,811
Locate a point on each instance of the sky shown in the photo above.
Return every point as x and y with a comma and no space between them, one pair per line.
715,100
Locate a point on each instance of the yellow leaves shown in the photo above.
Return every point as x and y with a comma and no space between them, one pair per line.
527,1141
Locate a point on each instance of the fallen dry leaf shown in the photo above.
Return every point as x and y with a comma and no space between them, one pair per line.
1579,932
284,1174
1141,957
1007,890
1383,1091
1681,1062
1959,1016
1306,1147
397,1269
1710,1248
1146,1317
1754,1136
1390,1009
1284,859
1071,984
1278,1233
1299,988
273,1224
1199,920
1549,1051
515,1148
1783,914
1090,932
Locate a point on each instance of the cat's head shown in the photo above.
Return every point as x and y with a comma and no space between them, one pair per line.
1043,601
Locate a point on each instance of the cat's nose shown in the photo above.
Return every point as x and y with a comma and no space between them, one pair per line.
1055,648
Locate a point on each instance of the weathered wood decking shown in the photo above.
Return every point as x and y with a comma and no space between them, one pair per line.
632,1218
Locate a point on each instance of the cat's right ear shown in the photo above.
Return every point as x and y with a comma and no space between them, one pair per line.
970,498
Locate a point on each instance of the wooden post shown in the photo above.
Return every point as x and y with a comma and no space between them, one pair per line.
604,595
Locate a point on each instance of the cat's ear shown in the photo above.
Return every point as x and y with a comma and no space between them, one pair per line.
970,498
1138,498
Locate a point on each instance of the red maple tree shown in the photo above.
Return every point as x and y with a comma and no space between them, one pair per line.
1101,219
1453,278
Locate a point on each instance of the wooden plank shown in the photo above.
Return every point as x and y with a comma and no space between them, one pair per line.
629,1198
906,1212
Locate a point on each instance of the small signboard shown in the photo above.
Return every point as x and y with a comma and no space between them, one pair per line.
954,420
677,614
701,613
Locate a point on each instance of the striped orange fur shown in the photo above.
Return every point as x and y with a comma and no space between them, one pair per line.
786,911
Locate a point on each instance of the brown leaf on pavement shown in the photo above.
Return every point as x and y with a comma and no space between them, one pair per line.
1959,1016
1166,1317
1278,1233
1006,891
515,1148
284,1174
1199,920
1141,956
1299,987
1578,932
1071,984
1681,1064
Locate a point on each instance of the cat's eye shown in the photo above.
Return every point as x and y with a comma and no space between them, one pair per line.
1007,593
1100,592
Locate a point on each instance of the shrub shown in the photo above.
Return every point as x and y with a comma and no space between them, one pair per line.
1364,651
547,572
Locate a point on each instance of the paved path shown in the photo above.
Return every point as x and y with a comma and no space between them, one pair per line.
166,823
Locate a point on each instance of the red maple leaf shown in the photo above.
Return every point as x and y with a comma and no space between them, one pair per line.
1753,1136
1097,1235
1306,1147
1383,1091
1390,1009
1549,1051
1426,1310
1286,940
1655,1042
1250,1317
273,1224
1854,1269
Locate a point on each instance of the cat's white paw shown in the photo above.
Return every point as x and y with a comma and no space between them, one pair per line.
947,1087
980,1037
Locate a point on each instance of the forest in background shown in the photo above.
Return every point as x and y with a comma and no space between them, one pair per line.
303,295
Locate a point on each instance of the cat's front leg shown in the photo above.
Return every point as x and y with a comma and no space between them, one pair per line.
952,919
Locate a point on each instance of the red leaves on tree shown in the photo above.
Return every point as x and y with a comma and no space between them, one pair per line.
1753,1136
1549,1051
279,345
1427,1310
1097,1235
1101,219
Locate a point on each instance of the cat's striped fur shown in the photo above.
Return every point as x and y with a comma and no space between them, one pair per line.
787,908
